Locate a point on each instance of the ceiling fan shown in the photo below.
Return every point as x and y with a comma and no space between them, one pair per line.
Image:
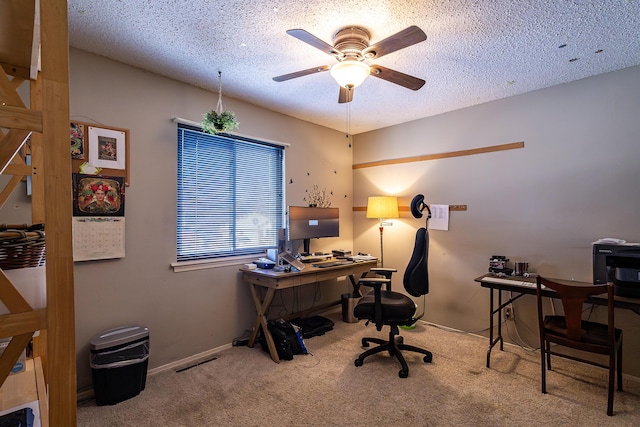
351,48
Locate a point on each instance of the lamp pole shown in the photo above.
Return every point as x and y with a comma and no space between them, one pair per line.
382,207
381,245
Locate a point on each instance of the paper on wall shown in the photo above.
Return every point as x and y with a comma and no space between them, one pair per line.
439,217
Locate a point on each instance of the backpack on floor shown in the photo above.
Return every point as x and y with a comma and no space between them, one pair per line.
287,339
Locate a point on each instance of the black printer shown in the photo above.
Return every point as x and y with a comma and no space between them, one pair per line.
625,258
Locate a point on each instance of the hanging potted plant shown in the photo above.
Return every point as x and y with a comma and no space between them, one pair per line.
216,122
219,120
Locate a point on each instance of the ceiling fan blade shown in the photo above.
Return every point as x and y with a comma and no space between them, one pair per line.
302,73
346,95
407,37
397,77
312,40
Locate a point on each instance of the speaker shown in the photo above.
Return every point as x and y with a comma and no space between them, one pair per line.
282,240
272,254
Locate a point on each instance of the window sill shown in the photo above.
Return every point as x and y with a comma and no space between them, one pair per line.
180,267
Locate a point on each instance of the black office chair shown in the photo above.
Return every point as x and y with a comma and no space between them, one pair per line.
395,309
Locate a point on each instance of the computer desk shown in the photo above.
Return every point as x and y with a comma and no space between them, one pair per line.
632,304
275,280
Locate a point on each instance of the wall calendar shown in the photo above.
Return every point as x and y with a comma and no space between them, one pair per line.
98,238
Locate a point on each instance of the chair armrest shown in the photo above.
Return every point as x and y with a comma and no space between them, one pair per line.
376,283
373,281
386,272
383,271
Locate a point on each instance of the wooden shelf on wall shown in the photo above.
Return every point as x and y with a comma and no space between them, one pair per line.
437,156
408,208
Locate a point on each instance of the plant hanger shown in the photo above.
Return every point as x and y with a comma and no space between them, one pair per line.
220,105
219,120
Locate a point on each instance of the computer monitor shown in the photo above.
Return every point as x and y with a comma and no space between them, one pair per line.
306,222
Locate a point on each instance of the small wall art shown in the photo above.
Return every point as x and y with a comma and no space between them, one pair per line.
95,195
103,149
76,133
107,148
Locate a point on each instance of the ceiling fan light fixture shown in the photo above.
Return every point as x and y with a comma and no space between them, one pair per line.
350,73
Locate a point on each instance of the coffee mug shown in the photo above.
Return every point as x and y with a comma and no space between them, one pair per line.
521,268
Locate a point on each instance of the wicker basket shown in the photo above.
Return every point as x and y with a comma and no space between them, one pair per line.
21,248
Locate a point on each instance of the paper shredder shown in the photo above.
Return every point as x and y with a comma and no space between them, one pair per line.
119,359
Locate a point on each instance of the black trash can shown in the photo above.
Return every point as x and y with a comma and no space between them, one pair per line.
348,304
119,359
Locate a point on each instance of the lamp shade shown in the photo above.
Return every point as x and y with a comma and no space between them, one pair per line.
382,207
350,72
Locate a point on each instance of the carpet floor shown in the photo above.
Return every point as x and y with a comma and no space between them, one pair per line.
243,387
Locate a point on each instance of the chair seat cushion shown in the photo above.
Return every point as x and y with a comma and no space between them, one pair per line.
597,332
396,307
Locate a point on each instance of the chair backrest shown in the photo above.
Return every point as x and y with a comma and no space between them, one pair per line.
416,276
573,297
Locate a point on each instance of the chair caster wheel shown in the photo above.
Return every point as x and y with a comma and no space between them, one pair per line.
428,358
358,362
403,374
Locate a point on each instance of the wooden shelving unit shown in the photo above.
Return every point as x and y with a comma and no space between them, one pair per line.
29,388
34,50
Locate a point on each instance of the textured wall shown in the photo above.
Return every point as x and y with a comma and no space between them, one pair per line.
574,181
187,313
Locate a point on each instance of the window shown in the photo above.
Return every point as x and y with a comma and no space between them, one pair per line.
230,195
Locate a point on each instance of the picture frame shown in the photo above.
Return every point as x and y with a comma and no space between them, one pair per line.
77,140
107,148
118,164
98,195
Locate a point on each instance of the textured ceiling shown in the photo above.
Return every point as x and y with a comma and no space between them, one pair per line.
476,50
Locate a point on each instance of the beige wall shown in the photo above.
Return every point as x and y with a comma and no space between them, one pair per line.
575,181
192,312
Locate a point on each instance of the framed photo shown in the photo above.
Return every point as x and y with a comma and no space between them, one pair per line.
76,134
95,195
107,148
103,149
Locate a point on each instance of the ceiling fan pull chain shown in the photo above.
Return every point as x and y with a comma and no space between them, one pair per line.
219,107
349,123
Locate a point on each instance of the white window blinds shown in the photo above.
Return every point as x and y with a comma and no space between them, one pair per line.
230,195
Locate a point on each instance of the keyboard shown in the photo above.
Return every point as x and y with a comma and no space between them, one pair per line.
362,258
331,264
310,259
514,282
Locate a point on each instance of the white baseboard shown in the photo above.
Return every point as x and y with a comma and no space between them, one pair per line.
187,361
84,395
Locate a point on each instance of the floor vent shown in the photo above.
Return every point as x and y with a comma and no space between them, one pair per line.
196,364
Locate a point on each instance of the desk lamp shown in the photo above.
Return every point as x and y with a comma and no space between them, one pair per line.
382,207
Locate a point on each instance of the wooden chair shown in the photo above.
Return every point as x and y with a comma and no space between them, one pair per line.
570,330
